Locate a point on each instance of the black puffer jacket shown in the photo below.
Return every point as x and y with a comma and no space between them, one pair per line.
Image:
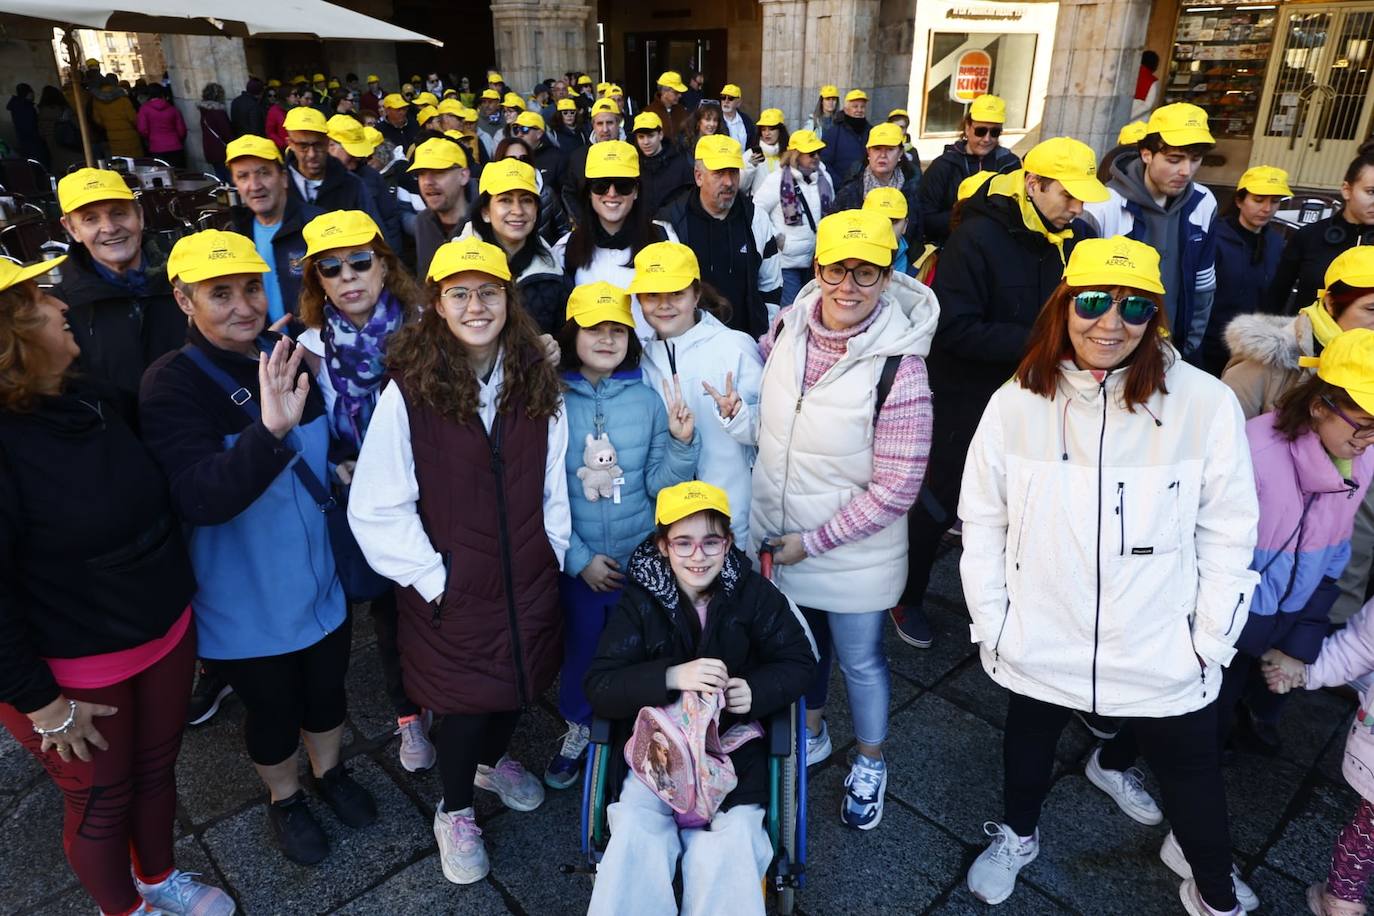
849,195
749,625
1306,256
665,176
940,186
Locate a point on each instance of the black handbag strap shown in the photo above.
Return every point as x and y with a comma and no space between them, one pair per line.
243,400
806,208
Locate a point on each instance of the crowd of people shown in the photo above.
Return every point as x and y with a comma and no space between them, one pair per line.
535,381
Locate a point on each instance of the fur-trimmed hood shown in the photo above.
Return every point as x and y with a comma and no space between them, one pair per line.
1273,340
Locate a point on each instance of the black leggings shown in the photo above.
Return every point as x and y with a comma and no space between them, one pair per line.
285,695
465,740
384,625
1182,753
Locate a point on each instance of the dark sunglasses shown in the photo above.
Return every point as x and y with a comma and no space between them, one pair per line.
602,186
1361,432
522,129
1092,304
995,132
729,98
359,261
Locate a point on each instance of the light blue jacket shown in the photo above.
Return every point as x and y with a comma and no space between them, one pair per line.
634,417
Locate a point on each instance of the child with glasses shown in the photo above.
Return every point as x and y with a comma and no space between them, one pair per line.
694,616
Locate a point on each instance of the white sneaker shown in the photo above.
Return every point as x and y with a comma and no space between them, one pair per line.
180,893
417,751
518,789
462,854
992,876
1126,788
1194,905
1171,854
818,746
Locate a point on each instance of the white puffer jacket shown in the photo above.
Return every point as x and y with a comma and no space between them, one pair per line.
798,243
1106,553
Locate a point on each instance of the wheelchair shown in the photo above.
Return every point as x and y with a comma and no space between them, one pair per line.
785,818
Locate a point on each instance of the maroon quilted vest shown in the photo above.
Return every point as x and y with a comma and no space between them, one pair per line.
497,641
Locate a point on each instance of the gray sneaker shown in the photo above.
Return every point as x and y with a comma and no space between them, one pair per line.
1126,788
516,786
992,877
462,854
179,892
1171,854
417,752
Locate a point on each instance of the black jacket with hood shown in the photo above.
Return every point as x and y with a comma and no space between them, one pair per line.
849,195
665,176
940,184
1306,256
288,247
340,190
750,626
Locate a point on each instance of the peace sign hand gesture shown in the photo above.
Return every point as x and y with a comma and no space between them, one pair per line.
282,388
727,404
681,422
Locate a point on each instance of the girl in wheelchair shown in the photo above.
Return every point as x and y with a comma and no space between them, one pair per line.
694,616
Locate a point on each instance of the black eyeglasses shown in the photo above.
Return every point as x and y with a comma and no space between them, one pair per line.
602,186
865,274
994,132
1092,304
360,262
1361,432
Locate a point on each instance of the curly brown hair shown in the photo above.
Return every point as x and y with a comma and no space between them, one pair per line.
438,374
400,282
22,360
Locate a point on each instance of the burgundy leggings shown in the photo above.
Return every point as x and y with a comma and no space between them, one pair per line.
123,801
1353,858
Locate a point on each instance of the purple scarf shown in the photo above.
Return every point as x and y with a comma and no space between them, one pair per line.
792,212
353,358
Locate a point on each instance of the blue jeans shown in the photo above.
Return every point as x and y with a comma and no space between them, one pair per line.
584,617
793,279
857,641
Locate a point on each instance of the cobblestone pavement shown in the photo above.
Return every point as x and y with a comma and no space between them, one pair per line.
945,760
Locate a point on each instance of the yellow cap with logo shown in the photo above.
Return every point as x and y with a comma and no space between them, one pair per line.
306,119
1132,133
394,100
86,186
681,500
862,234
731,90
1180,124
567,105
251,145
348,133
805,141
829,91
672,79
771,117
12,274
438,153
612,159
1117,261
211,253
1353,267
972,183
508,175
1348,362
531,119
886,134
338,229
603,105
664,267
1070,162
719,151
890,202
1265,180
989,108
647,121
856,95
592,303
469,253
451,106
513,100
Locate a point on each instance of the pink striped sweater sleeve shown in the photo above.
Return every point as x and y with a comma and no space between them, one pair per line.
901,446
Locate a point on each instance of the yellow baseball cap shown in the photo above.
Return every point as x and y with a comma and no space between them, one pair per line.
450,93
605,105
492,77
394,100
307,119
12,274
513,100
1264,180
886,134
592,303
1132,133
1117,261
338,229
771,117
348,133
567,105
614,90
1348,362
988,108
862,234
647,121
719,151
373,78
1070,162
251,145
333,84
469,114
673,80
425,98
731,89
469,253
274,84
531,119
601,88
319,77
681,500
612,159
888,201
856,95
805,141
490,94
451,106
508,175
373,136
1353,267
972,183
584,80
830,92
92,62
898,113
438,153
1180,124
424,114
664,267
211,253
86,186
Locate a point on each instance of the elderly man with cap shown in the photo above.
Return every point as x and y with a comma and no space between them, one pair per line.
348,143
122,313
1154,199
247,112
846,136
491,125
676,118
885,167
317,177
370,99
996,271
606,122
395,124
441,170
733,121
664,172
978,150
734,241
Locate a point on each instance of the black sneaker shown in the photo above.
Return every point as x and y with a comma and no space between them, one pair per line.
912,626
210,691
299,835
350,802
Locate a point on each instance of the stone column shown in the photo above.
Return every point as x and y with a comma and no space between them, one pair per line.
808,43
783,80
541,38
1097,46
193,61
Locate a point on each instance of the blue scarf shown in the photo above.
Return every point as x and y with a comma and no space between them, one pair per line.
353,358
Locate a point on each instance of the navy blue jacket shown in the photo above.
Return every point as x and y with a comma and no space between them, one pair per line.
288,246
845,144
1246,264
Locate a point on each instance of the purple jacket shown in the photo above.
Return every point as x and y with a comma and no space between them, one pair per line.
162,126
1348,655
1306,514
